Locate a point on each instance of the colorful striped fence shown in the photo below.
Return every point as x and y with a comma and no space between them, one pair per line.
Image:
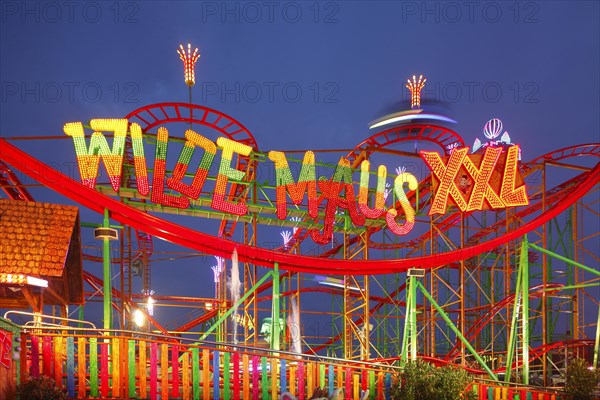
494,392
125,367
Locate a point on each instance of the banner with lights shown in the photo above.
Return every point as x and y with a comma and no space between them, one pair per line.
469,182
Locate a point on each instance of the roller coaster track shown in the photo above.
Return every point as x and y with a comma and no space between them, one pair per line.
534,354
477,327
217,246
11,184
96,283
152,115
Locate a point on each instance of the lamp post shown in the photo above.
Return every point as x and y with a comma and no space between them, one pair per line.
106,233
415,86
189,59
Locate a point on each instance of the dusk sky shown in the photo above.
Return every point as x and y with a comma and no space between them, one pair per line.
298,75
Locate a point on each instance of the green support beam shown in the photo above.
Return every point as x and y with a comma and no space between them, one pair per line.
237,304
456,331
565,259
275,328
587,269
409,333
107,278
513,327
597,344
524,266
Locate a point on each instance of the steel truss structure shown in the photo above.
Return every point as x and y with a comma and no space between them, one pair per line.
510,293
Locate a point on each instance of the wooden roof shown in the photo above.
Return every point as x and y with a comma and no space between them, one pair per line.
41,240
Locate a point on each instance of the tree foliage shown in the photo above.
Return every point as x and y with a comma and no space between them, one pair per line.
41,388
423,381
581,381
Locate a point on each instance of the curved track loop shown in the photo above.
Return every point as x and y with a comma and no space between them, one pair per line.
534,293
217,246
436,134
535,353
153,115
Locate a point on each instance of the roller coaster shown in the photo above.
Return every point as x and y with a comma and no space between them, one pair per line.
511,290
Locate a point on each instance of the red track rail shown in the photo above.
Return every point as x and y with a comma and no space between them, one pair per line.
12,185
436,134
217,246
535,353
153,115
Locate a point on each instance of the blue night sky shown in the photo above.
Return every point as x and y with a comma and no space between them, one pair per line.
298,75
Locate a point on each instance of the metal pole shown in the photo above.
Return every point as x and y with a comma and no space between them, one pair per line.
413,322
597,344
107,287
191,116
407,320
513,327
441,311
275,327
524,262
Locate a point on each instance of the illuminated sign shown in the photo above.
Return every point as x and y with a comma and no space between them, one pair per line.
467,181
5,348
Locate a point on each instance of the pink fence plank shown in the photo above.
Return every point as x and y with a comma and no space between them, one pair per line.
47,356
175,370
236,376
35,356
153,370
104,369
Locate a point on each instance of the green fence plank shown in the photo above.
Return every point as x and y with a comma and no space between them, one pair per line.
226,369
265,379
93,367
196,373
131,367
372,388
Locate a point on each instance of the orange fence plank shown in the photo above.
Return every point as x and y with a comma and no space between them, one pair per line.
164,371
116,370
142,369
292,381
380,390
58,361
185,375
81,363
274,376
245,377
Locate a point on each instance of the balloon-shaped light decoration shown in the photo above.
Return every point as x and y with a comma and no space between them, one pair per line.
492,128
189,61
415,86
